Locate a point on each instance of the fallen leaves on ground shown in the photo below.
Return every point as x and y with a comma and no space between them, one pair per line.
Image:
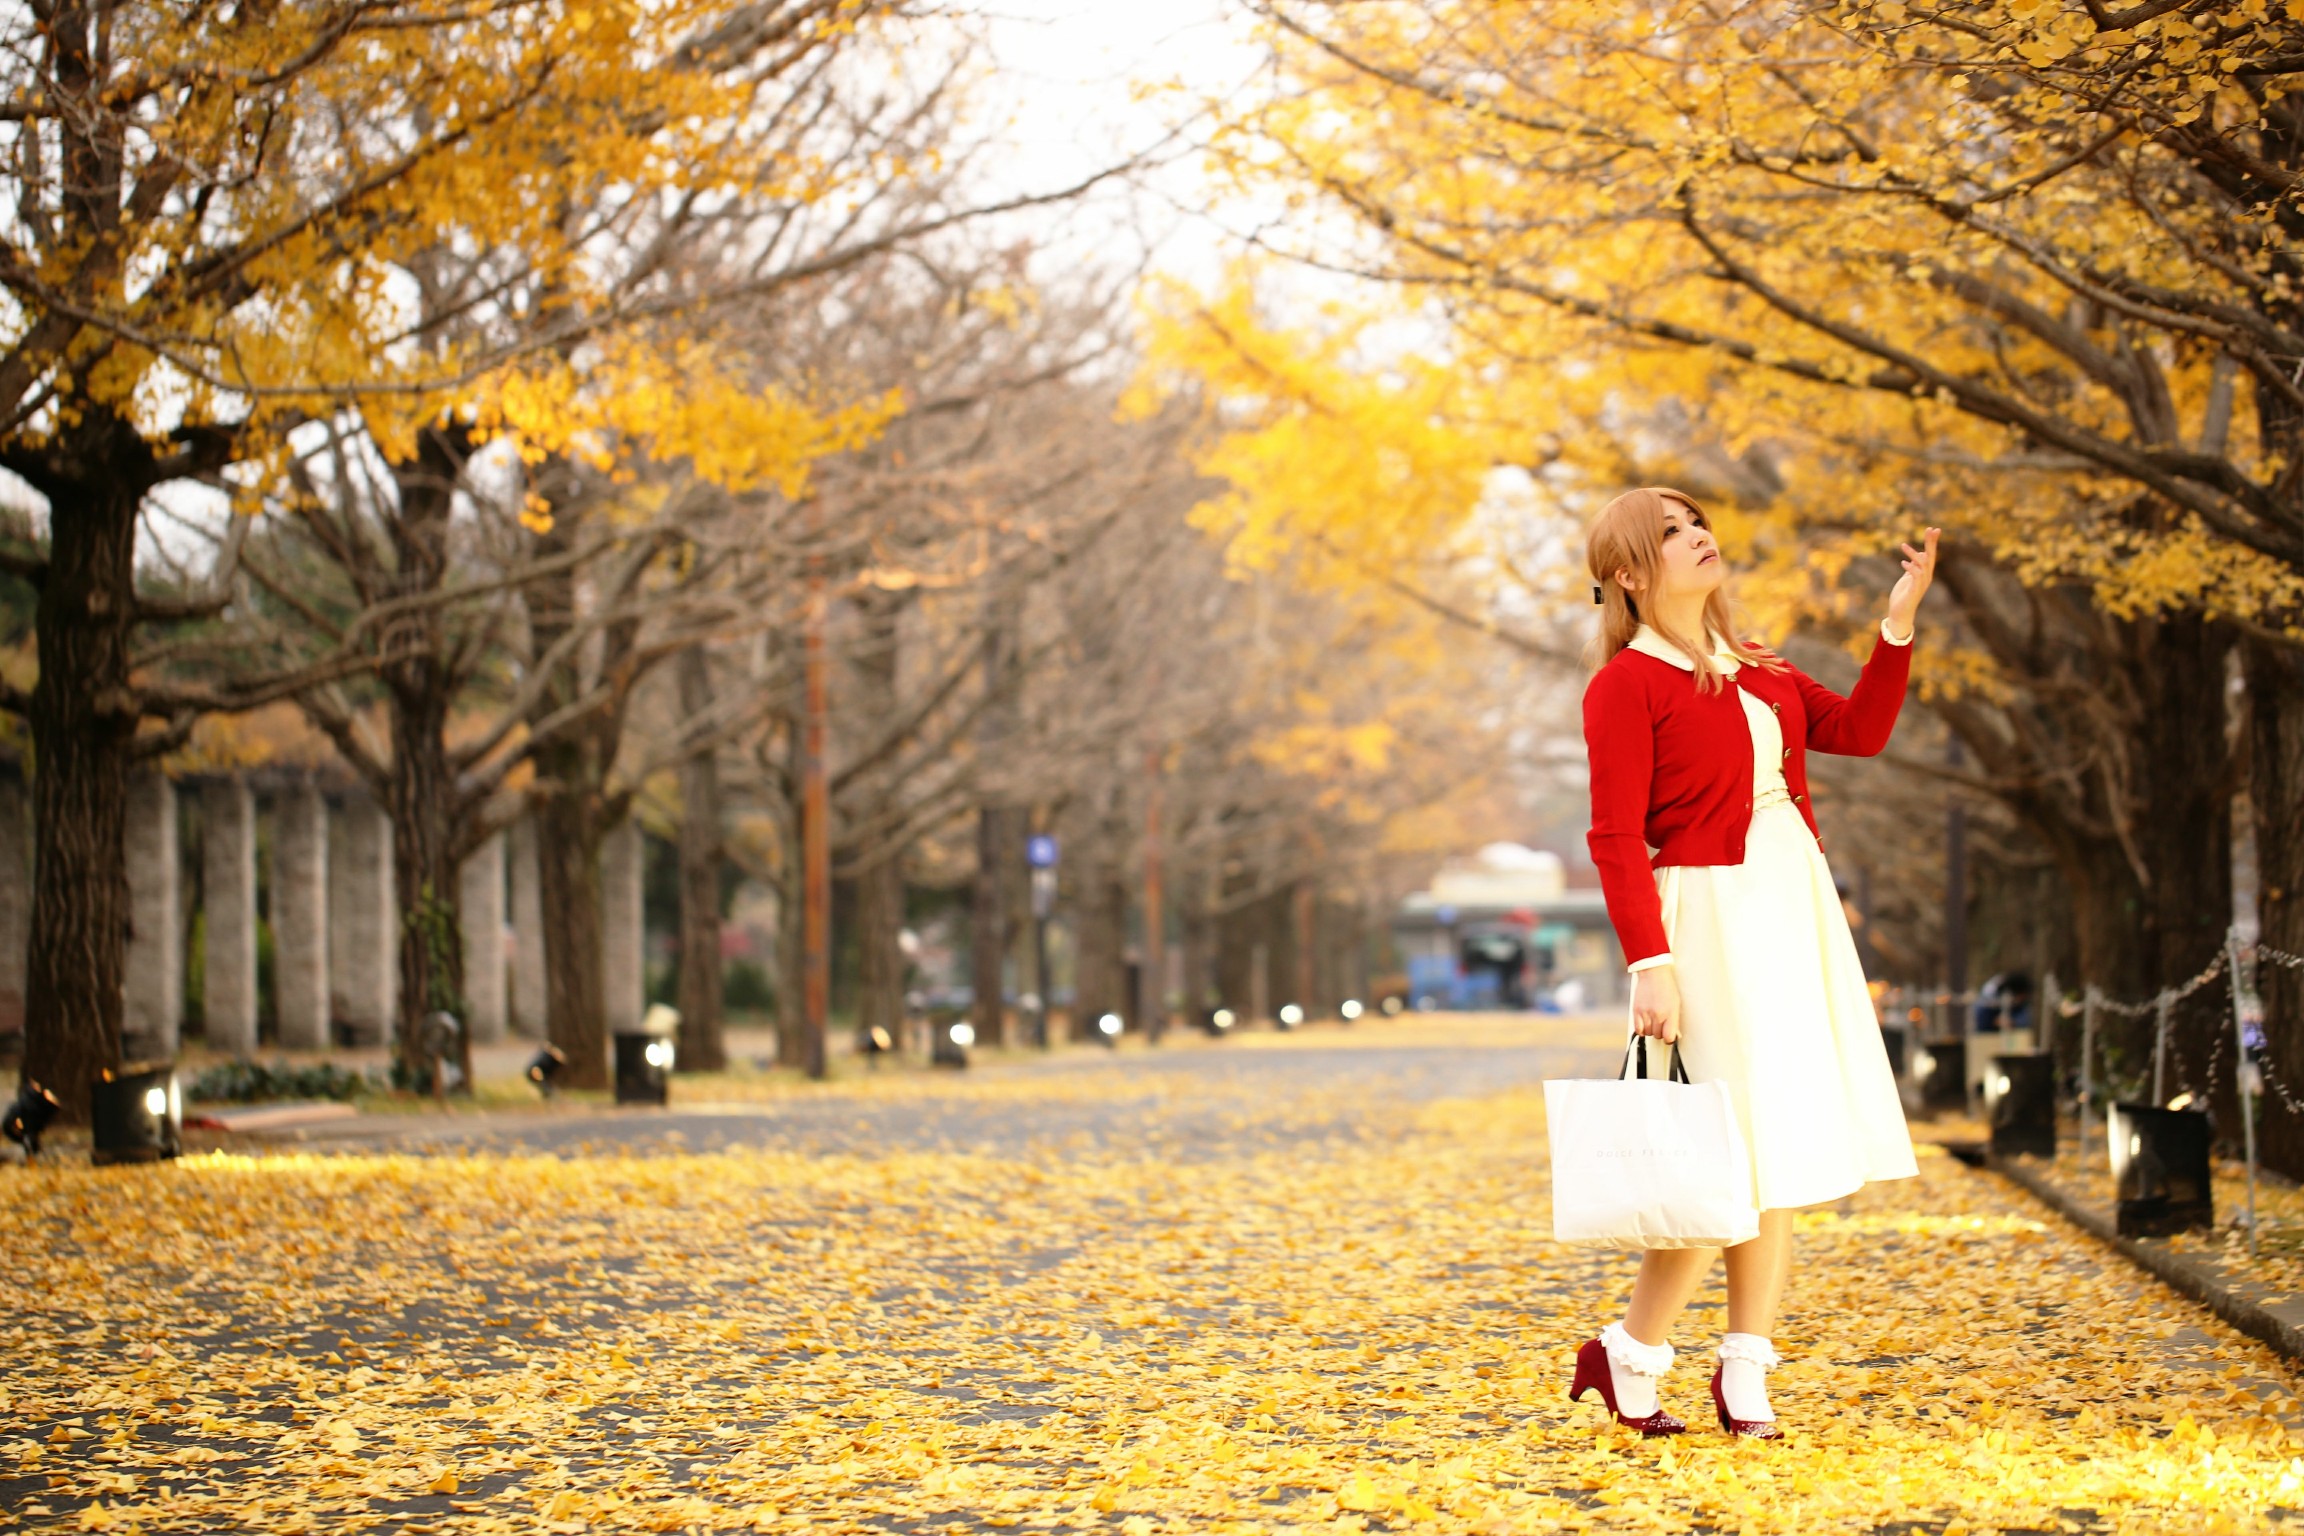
1343,1334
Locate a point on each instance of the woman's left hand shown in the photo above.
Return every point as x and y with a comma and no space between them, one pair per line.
1919,572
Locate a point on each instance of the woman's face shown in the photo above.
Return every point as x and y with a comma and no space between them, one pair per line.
1692,566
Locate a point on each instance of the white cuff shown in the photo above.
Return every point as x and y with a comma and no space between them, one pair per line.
1890,636
1750,1348
1636,1358
1649,964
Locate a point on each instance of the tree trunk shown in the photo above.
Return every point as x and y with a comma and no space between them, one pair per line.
880,943
703,1048
420,795
988,936
83,716
568,880
420,799
999,838
1197,936
872,675
2185,833
1101,969
2275,725
2117,757
569,794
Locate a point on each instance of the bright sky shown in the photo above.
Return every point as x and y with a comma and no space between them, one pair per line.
1078,79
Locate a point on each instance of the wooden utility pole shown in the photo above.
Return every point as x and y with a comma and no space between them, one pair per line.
815,847
1306,986
1154,1003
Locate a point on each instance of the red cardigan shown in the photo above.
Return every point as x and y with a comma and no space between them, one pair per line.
1672,767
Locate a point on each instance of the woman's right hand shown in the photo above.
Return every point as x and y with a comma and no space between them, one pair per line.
1656,1003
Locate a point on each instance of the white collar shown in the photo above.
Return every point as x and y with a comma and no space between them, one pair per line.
1649,643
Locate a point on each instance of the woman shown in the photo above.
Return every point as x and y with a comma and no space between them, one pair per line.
1735,937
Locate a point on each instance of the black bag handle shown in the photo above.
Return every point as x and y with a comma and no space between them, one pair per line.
1637,1054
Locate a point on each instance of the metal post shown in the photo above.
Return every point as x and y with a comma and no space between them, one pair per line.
1155,987
2087,1065
2160,1050
1040,961
1955,881
2245,1075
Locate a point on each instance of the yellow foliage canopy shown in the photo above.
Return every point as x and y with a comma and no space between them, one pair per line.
1857,266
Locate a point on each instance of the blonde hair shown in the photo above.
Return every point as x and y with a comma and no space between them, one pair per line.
1628,536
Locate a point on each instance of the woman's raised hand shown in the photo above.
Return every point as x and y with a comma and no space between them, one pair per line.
1656,1003
1919,571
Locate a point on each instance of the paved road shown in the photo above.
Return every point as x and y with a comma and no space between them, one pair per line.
1302,1282
1188,1099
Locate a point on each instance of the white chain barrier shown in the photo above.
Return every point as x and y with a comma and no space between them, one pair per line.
2253,1076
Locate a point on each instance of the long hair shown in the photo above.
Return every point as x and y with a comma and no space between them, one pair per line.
1628,535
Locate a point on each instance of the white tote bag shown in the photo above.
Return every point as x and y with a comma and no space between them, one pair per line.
1639,1162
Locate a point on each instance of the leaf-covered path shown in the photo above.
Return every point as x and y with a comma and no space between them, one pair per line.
1272,1284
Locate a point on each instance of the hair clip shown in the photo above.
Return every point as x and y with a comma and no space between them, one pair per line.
1597,599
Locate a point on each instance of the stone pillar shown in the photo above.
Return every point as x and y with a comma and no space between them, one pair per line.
527,930
623,953
300,908
15,900
154,1000
363,921
480,909
228,913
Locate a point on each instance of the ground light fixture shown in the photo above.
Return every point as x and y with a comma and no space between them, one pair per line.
2020,1104
28,1116
136,1117
1351,1009
951,1043
545,1067
2159,1170
1109,1026
643,1067
1222,1020
1290,1015
1394,1007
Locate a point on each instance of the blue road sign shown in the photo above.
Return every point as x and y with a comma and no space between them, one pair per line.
1040,851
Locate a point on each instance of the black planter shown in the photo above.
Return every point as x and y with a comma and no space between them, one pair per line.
1938,1068
1894,1039
643,1068
2020,1104
2160,1170
137,1117
949,1041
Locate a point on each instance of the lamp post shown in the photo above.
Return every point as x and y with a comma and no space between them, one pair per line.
1040,853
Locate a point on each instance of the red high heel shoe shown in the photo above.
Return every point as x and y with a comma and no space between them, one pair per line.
1592,1371
1748,1429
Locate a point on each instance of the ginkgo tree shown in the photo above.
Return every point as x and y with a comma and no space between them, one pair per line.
2027,268
225,223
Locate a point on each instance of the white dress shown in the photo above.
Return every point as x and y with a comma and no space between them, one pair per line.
1773,1001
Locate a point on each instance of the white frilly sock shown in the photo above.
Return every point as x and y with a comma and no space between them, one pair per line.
1745,1361
1633,1368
